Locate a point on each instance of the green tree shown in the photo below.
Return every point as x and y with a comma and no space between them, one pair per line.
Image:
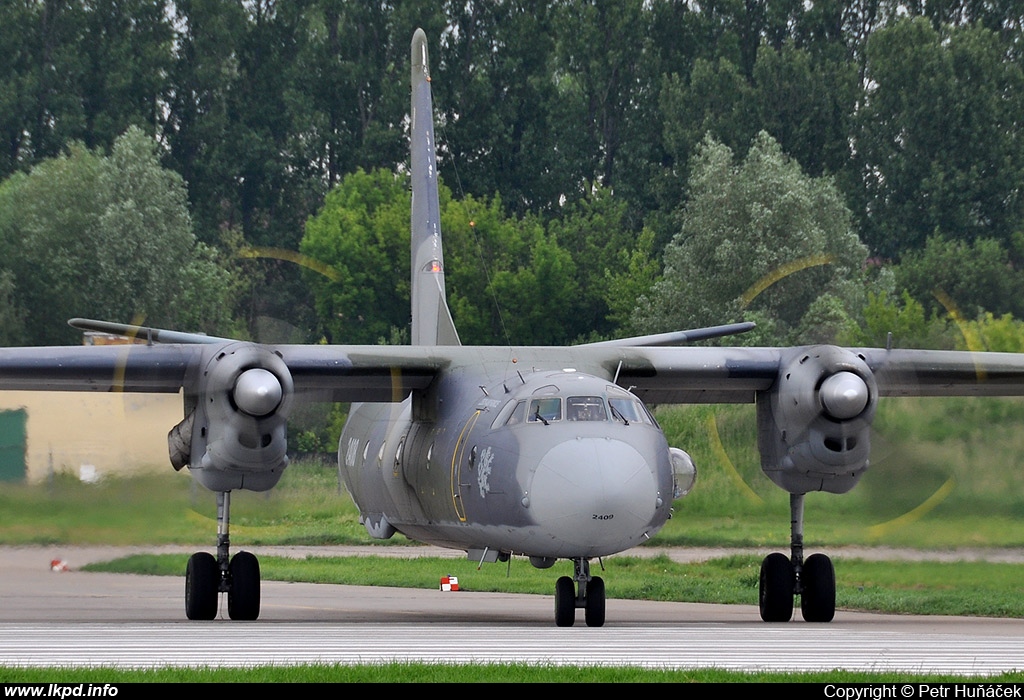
939,143
42,102
597,234
537,295
899,320
603,54
17,83
759,236
508,280
495,92
79,70
1002,334
631,276
714,99
806,103
804,100
483,248
125,55
358,252
973,277
109,237
12,316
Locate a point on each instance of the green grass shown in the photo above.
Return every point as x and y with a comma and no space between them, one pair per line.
307,507
444,673
945,473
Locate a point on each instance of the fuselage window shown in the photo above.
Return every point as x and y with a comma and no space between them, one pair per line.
588,408
545,410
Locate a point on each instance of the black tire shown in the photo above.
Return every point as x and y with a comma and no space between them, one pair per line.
565,602
594,610
202,586
818,598
244,591
778,581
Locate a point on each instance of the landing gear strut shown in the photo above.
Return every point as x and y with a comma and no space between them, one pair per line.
580,591
207,577
784,578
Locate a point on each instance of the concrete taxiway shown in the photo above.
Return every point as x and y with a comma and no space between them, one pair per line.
72,618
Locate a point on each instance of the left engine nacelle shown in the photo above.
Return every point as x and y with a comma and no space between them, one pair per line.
235,437
814,425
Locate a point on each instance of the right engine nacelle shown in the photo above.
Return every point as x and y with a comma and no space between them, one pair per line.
235,436
814,425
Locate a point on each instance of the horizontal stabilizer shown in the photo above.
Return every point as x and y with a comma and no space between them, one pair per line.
677,337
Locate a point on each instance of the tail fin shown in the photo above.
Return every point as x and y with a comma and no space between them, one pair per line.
431,319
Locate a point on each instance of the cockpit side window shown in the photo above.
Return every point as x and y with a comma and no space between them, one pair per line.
650,416
516,416
585,408
545,410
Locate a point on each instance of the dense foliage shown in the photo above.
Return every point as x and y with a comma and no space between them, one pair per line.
110,237
570,134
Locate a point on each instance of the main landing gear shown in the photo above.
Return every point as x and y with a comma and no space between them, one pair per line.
580,591
207,577
782,578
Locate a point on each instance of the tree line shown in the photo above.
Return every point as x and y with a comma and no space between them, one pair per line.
834,170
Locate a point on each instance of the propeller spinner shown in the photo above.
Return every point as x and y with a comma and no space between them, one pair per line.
257,392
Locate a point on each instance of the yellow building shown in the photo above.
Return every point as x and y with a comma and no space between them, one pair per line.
85,433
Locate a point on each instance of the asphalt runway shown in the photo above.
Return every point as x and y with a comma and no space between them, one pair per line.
74,618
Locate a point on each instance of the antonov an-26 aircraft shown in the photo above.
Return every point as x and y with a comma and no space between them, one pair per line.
544,452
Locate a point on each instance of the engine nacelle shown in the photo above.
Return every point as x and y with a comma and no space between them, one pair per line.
814,425
235,437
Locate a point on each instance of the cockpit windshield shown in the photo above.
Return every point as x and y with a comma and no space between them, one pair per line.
629,410
587,408
618,407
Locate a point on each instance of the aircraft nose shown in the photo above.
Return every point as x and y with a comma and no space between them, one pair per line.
598,494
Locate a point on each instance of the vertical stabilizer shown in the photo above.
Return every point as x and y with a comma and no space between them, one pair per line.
431,320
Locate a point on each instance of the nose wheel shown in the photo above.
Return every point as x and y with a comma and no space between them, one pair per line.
579,591
206,576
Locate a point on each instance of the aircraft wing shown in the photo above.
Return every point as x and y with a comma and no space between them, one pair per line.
322,372
735,375
943,373
388,373
135,368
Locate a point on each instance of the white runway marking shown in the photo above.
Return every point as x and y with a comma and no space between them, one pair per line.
742,647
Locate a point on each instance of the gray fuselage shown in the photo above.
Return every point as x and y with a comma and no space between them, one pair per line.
545,463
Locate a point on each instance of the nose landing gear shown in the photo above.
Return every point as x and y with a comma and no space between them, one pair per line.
580,591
